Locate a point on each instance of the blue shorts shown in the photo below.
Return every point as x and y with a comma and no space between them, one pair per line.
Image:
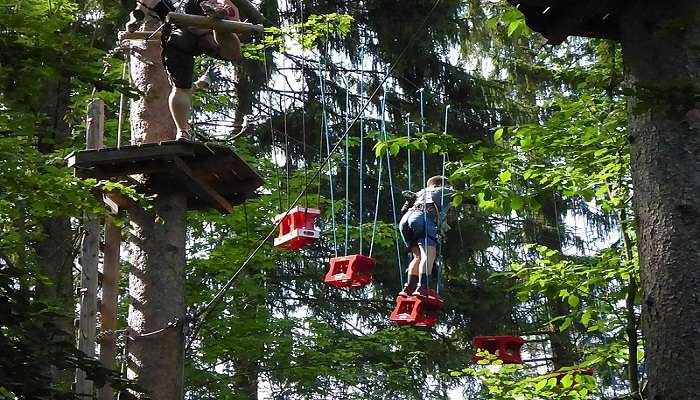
417,227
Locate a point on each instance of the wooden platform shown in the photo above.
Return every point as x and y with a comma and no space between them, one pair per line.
212,175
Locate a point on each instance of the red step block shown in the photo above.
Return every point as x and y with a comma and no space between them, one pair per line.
507,348
350,271
422,311
297,228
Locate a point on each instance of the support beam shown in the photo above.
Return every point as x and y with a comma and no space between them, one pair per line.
214,23
203,186
89,257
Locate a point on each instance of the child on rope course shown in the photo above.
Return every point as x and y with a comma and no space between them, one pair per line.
423,219
181,44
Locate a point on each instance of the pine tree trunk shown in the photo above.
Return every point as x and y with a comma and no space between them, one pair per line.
156,247
549,234
56,251
661,47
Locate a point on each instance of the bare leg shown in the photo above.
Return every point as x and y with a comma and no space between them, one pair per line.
427,260
180,102
229,45
412,281
415,261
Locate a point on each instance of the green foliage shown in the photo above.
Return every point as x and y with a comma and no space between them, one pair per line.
309,34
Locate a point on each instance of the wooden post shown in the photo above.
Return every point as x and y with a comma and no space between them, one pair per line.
89,257
110,294
156,245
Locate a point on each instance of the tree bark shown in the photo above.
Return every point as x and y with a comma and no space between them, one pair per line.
156,246
110,299
661,48
548,233
55,251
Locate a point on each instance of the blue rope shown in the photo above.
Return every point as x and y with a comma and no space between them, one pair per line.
391,190
425,178
324,121
438,258
376,206
408,133
347,168
362,145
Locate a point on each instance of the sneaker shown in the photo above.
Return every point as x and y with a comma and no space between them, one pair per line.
183,136
421,292
408,288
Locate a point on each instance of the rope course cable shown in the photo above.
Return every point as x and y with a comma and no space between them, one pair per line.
395,224
206,312
439,260
361,209
324,123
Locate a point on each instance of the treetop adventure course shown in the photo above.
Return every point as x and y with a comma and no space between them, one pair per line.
524,226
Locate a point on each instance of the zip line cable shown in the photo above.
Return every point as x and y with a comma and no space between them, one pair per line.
216,300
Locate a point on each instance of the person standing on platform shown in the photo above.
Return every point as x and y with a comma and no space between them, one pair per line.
423,220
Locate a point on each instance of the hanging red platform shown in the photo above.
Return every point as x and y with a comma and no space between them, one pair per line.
350,271
507,348
418,310
297,228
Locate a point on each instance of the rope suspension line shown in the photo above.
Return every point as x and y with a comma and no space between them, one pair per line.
324,122
208,309
395,224
425,178
347,168
438,259
376,205
362,147
408,134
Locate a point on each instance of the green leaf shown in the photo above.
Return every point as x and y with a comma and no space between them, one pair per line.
504,176
498,134
567,323
574,300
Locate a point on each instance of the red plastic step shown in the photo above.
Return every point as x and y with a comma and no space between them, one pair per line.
422,311
350,271
507,348
297,228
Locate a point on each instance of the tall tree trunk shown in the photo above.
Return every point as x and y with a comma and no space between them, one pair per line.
549,234
56,249
661,47
156,247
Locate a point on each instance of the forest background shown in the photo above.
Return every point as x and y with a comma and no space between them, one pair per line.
543,241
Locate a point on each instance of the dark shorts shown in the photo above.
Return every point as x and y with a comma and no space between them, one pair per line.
180,47
417,227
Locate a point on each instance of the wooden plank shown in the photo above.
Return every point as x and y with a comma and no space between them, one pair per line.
203,186
89,258
110,294
85,159
213,23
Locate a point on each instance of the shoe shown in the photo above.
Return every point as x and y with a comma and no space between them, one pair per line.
421,292
183,136
408,288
